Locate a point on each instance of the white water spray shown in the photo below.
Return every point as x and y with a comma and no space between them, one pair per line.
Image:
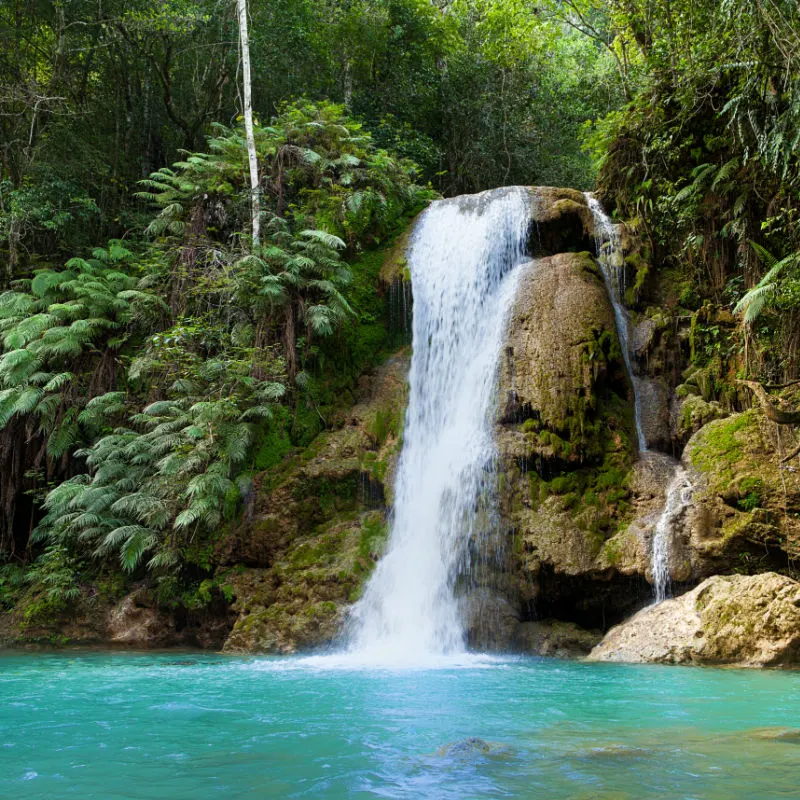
612,265
679,494
462,258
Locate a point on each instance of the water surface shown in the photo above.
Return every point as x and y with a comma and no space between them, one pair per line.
126,725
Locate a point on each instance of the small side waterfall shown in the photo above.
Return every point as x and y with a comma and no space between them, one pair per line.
679,489
612,265
461,259
679,494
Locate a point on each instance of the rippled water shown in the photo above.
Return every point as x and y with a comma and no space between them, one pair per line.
125,725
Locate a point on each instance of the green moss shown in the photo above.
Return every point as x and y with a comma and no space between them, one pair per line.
372,541
751,492
275,443
612,551
721,444
319,551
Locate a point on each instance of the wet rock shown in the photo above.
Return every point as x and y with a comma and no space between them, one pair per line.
562,221
135,622
790,735
688,414
316,534
654,402
561,343
472,747
556,639
490,619
745,620
643,336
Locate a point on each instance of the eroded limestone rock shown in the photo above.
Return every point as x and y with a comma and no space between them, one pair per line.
746,620
556,639
745,504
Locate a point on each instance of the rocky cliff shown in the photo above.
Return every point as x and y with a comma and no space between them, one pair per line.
578,504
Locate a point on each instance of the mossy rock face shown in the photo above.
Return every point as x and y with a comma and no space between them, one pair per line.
299,602
561,347
395,262
689,412
319,527
343,471
566,437
746,510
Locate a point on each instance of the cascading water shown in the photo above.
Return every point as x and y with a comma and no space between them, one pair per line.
461,260
612,265
679,493
679,489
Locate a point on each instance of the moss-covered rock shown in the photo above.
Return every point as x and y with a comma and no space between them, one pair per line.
318,526
561,347
566,438
746,510
298,603
689,412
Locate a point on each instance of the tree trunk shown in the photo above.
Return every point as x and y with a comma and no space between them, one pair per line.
255,192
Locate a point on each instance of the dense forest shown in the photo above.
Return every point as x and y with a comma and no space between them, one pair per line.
157,356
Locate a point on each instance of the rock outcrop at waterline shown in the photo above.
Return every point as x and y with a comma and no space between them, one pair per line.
319,527
742,620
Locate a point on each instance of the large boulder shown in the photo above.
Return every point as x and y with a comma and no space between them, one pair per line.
745,514
561,345
566,441
746,620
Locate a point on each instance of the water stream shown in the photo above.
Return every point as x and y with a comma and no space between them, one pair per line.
679,494
612,265
679,490
461,259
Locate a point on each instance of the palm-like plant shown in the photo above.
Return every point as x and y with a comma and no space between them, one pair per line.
52,325
767,290
153,485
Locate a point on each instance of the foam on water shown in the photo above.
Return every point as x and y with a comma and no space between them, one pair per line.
461,258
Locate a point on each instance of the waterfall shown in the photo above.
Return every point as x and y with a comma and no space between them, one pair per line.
679,493
461,258
612,265
679,489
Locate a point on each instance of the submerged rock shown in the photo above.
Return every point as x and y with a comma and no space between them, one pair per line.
742,620
472,747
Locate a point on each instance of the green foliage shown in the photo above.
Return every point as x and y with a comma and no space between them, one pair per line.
179,470
172,447
54,585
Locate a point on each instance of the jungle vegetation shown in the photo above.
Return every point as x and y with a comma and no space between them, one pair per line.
154,357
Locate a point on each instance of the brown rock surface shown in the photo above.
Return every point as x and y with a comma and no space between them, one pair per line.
746,620
561,335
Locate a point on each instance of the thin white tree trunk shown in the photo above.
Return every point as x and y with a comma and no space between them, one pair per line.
255,191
